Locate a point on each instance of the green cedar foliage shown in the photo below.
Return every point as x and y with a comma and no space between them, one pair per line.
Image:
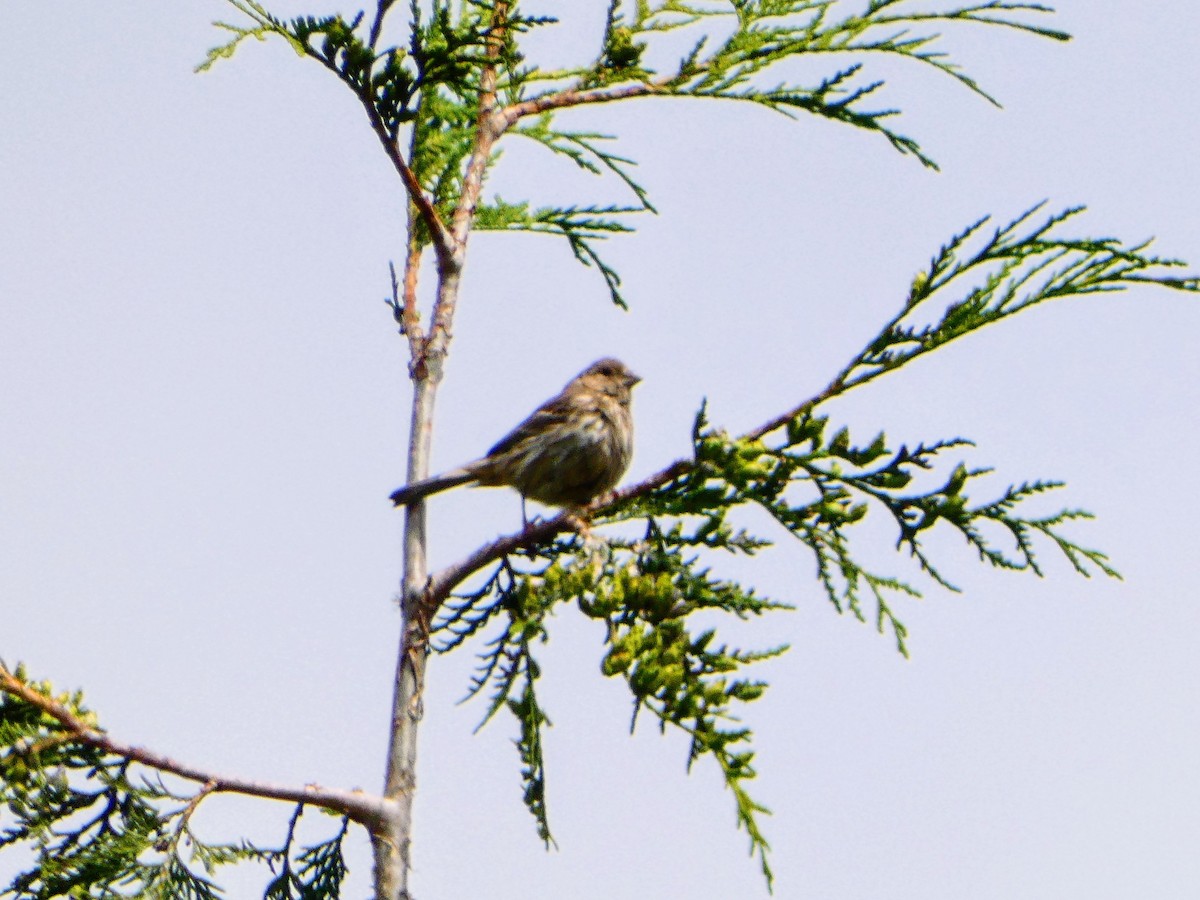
735,50
818,486
98,825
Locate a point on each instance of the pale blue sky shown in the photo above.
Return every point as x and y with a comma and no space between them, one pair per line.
204,407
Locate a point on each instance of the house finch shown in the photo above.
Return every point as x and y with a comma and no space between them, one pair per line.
572,449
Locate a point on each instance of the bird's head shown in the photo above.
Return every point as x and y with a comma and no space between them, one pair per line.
609,376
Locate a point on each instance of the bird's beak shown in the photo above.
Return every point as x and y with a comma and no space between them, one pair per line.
631,379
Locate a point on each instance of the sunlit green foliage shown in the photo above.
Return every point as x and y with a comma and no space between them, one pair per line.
817,483
1021,264
99,825
432,83
643,592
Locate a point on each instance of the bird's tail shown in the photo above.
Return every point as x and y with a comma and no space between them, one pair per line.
411,493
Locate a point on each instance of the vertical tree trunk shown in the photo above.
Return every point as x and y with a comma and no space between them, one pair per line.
392,842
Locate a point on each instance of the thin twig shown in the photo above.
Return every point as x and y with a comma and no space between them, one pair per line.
377,23
835,387
576,97
404,306
442,242
209,787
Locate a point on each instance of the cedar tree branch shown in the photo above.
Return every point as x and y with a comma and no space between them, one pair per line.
575,97
442,241
366,809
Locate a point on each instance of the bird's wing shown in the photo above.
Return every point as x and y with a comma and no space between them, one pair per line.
547,416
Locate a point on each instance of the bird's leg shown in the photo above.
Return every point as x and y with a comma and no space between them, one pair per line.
526,522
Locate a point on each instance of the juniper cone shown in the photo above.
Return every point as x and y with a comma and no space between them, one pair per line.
572,449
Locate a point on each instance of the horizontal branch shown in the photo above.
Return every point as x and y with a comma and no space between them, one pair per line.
447,579
366,809
575,97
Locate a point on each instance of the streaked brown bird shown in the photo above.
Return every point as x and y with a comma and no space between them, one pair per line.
572,449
